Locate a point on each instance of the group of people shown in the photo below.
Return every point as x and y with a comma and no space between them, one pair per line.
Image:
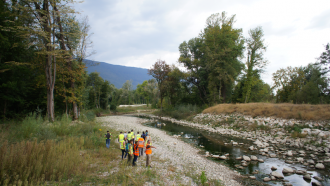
132,145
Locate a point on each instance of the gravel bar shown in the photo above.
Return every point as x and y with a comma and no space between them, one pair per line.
176,152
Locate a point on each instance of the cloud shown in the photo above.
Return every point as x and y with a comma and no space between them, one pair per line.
137,33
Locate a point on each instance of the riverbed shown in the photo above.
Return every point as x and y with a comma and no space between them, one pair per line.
220,145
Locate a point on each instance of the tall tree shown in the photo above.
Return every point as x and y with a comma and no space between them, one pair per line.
255,60
160,71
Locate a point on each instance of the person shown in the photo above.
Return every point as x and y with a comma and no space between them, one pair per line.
148,153
126,147
121,137
125,134
107,139
143,135
138,136
133,137
122,148
136,152
130,152
146,133
129,136
141,146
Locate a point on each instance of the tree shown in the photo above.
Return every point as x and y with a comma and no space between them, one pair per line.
224,46
160,71
127,88
256,48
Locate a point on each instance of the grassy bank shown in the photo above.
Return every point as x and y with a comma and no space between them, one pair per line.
283,110
180,111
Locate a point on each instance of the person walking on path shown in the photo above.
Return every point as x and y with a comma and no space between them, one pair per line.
138,136
126,147
148,153
121,137
147,133
143,135
133,137
107,139
141,146
129,136
125,135
130,152
135,153
122,148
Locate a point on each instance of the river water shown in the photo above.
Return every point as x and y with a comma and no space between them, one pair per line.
215,144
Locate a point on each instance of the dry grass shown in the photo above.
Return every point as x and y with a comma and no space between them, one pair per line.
283,110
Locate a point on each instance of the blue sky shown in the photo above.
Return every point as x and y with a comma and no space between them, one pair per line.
138,32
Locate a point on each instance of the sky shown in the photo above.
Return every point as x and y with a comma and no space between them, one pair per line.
139,32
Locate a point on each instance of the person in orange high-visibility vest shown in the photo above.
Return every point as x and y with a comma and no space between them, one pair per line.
135,152
141,146
148,153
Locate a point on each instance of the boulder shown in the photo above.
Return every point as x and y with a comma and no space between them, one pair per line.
251,148
289,153
277,175
319,166
272,155
266,179
254,158
287,170
246,158
252,177
261,160
222,157
307,177
273,168
300,159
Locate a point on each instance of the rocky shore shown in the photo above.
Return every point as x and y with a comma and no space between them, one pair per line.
295,141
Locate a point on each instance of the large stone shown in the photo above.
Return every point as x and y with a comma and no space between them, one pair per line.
318,178
222,157
273,168
307,177
215,156
246,158
272,155
289,153
311,162
266,179
261,160
287,170
251,148
314,183
254,158
319,166
277,175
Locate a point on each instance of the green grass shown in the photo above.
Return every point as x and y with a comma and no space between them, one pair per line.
180,111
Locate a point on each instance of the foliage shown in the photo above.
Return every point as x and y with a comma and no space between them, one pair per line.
203,178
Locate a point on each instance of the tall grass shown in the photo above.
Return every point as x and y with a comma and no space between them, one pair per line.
283,110
34,151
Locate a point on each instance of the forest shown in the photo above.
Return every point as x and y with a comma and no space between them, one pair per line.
44,46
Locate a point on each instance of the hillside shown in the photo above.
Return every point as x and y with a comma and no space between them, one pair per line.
118,74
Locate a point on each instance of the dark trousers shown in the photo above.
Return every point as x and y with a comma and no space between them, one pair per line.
122,153
129,159
107,143
126,154
134,160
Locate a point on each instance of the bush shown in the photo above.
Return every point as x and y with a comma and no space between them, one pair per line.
113,107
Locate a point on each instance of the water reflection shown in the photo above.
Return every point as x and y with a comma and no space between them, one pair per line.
215,144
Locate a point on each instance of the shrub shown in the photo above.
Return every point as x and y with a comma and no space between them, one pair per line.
113,107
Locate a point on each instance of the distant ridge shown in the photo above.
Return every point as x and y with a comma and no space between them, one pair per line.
118,74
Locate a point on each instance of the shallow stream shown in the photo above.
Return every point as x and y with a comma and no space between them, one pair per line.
215,144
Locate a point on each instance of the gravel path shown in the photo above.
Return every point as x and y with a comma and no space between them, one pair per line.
177,153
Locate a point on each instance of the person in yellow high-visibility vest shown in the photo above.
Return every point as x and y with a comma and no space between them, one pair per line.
121,137
148,153
129,136
133,137
122,148
138,135
130,152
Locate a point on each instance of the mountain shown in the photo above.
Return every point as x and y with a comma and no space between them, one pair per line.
118,74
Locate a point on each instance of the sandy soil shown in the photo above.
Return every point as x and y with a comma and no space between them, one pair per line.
176,153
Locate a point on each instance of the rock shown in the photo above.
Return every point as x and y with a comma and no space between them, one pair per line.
254,158
272,155
234,143
288,161
244,164
277,175
215,156
311,162
252,177
246,158
289,153
222,157
266,179
300,172
261,160
273,177
239,158
319,166
314,183
318,178
287,170
273,168
251,148
300,159
287,184
207,153
307,176
326,160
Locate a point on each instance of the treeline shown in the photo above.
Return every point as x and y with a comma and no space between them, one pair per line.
42,50
221,66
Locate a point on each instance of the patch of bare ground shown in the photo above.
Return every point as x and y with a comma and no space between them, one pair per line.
282,110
